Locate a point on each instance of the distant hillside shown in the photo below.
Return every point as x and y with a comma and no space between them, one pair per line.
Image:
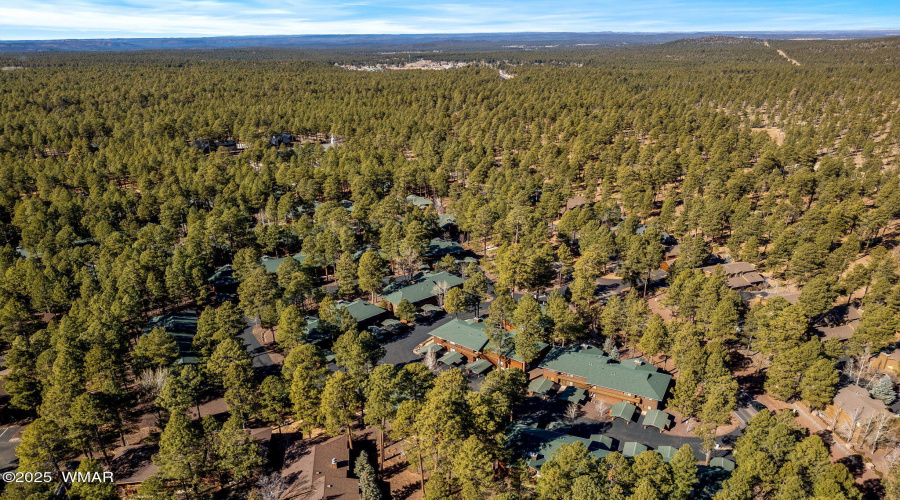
717,40
466,41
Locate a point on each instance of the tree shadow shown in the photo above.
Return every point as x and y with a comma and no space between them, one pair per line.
405,492
854,464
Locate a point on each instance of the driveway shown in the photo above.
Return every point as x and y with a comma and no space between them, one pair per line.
260,358
9,438
399,349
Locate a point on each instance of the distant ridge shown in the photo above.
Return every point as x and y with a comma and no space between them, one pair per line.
437,41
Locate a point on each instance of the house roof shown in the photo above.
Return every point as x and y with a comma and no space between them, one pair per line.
841,314
538,445
361,310
223,276
419,201
271,263
432,348
657,418
184,322
603,440
623,409
572,394
737,282
722,463
439,248
540,385
329,481
479,366
451,358
424,289
630,377
446,220
667,452
632,449
754,277
835,332
468,334
853,397
731,268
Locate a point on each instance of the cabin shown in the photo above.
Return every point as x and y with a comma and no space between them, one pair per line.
740,276
853,408
633,381
537,446
425,290
182,326
419,201
363,312
272,263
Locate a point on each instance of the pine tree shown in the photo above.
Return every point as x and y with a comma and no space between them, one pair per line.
155,350
817,388
455,302
883,389
180,457
368,483
237,453
346,275
684,473
357,352
406,311
339,402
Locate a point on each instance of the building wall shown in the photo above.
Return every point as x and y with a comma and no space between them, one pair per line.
884,363
465,351
603,393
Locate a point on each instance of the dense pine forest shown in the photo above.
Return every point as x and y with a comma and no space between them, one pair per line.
131,183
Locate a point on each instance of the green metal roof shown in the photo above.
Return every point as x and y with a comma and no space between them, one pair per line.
175,323
540,385
419,201
424,289
271,263
604,441
538,445
446,220
667,452
468,334
632,449
431,308
656,418
439,248
361,310
479,366
572,394
630,377
431,348
451,358
722,463
624,410
510,352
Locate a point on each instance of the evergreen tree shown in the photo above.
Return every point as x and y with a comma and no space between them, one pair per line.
368,483
339,402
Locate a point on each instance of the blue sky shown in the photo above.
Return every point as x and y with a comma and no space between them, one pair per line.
54,19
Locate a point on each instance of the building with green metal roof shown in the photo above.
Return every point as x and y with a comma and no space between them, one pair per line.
634,380
419,201
424,289
362,311
540,385
722,463
271,263
624,410
667,452
439,248
658,419
467,337
538,445
632,449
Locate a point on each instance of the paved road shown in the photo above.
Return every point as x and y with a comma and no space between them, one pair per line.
261,359
8,458
398,350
